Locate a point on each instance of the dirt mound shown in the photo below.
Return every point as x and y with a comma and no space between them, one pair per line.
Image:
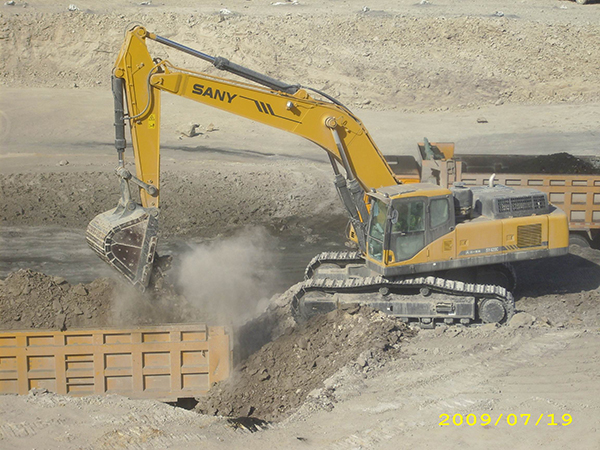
558,163
563,291
563,163
31,299
277,379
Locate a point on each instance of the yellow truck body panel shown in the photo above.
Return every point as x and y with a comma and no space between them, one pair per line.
164,362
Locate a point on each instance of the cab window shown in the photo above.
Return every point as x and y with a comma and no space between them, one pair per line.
408,229
439,212
377,230
410,217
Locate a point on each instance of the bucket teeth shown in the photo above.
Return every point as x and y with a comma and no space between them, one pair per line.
126,240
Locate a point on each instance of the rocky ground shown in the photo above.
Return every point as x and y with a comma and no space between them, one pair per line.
276,380
495,77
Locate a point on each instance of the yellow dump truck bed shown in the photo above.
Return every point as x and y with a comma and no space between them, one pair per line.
160,362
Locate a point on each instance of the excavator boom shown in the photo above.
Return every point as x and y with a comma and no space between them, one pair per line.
126,236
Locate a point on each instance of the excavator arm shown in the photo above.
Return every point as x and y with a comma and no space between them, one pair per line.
126,236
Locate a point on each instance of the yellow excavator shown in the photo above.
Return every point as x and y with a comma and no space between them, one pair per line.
425,253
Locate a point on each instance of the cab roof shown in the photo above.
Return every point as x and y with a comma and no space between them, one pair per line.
388,193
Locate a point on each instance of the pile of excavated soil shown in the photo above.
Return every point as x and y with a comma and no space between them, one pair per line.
215,199
563,163
276,380
31,299
562,291
581,309
558,163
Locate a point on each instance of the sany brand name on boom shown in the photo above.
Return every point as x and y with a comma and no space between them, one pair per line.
217,94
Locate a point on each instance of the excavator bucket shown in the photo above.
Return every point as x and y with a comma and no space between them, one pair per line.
125,237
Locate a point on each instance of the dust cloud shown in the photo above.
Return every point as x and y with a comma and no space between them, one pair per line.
225,281
130,307
229,278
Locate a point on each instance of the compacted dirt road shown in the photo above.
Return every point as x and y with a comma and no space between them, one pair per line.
409,69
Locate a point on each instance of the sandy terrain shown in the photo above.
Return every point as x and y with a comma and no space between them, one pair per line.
409,69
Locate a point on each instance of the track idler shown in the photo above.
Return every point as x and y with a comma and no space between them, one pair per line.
125,237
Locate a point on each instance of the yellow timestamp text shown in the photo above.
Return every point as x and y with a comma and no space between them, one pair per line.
484,420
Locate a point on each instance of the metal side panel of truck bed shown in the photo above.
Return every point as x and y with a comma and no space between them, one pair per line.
164,362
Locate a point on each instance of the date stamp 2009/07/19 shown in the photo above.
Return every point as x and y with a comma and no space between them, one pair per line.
511,420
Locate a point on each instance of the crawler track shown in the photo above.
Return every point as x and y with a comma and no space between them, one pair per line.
426,299
341,259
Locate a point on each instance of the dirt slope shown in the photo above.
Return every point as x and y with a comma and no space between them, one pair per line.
380,58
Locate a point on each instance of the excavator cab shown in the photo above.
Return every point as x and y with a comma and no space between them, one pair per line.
425,228
404,220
